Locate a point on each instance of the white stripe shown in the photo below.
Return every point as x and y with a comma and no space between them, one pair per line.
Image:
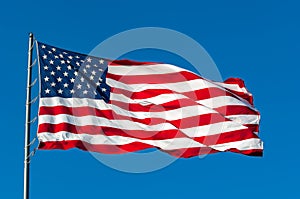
180,113
99,121
174,114
184,86
234,87
167,144
179,87
220,101
74,102
212,129
244,119
159,99
165,69
211,103
144,69
253,143
198,131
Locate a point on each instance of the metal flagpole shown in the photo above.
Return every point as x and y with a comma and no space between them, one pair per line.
27,120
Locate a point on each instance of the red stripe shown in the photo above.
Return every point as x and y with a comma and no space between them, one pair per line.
253,127
221,138
186,122
168,106
126,62
174,77
192,152
115,149
110,131
132,147
107,149
172,105
237,81
236,110
180,103
250,152
182,76
198,120
200,94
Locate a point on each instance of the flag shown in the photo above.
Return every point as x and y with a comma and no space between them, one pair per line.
122,106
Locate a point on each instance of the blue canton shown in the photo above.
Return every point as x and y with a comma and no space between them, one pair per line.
72,75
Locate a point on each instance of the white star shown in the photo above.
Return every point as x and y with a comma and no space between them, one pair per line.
82,61
47,91
82,79
62,61
65,53
91,77
77,63
58,68
88,85
72,91
43,46
101,61
100,79
87,66
77,57
61,56
45,67
93,72
66,85
49,52
70,57
68,61
53,49
44,56
51,62
100,69
69,67
84,70
72,80
52,73
65,74
60,91
89,59
103,89
98,83
46,79
85,92
78,86
95,65
53,84
76,73
56,57
59,79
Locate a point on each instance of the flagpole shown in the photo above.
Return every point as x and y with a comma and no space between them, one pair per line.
27,120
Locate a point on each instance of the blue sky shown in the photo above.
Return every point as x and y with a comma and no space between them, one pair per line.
254,40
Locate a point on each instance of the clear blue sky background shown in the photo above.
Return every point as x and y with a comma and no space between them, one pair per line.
255,40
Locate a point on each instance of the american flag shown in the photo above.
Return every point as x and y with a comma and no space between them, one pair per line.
125,106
